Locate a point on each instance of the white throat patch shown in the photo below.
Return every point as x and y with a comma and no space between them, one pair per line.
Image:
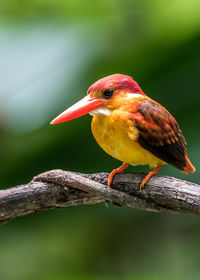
133,95
100,111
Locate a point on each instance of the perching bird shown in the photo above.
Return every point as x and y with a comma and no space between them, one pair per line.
130,126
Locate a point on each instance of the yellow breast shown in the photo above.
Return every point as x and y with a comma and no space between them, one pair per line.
117,137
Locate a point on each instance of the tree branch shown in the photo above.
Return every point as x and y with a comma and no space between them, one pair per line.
58,188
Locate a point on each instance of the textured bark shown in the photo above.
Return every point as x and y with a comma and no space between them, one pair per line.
58,188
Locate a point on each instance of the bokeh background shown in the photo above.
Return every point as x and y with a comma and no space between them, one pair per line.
51,51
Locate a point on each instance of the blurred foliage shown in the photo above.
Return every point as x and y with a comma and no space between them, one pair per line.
51,52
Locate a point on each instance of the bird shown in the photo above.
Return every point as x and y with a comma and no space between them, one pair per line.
130,126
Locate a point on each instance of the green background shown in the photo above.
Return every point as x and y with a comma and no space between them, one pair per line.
50,53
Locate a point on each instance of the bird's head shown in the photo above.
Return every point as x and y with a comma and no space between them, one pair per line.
103,96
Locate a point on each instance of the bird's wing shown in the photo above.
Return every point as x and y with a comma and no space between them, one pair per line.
159,133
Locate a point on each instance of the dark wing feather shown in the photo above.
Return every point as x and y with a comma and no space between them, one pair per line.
160,134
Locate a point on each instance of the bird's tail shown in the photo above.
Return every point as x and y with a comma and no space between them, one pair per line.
189,167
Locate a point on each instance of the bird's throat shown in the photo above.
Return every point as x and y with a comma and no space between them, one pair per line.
101,111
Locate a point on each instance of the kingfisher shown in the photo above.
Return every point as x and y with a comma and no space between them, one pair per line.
130,126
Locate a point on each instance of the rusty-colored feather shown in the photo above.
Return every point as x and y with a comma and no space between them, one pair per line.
160,134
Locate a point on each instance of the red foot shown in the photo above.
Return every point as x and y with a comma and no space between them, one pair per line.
115,171
149,175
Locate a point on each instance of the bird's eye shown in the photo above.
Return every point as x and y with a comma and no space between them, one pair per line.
108,93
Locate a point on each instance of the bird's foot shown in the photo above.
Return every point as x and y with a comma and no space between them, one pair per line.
115,171
149,175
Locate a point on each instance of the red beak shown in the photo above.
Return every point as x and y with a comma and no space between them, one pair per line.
81,108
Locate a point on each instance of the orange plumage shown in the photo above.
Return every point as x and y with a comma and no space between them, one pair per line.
130,126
